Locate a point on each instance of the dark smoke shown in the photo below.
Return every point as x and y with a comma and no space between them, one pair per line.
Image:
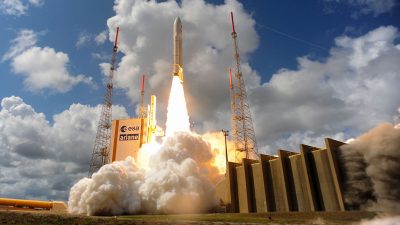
371,170
358,190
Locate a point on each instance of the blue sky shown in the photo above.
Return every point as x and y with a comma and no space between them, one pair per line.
313,69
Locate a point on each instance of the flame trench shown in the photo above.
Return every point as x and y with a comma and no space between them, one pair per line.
177,116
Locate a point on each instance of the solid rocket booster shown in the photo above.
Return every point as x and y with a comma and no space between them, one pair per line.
177,68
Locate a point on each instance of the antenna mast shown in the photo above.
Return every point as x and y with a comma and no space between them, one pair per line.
101,149
242,125
142,109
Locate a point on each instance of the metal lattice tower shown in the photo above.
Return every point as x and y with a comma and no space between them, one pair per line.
243,133
101,149
142,109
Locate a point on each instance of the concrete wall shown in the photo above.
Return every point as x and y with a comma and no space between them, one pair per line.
302,197
231,194
325,184
245,186
278,185
262,184
305,181
332,147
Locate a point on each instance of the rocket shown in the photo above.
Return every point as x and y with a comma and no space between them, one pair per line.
177,67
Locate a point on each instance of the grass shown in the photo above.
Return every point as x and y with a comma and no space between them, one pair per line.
334,218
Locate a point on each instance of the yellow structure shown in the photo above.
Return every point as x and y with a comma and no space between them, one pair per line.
20,204
128,135
152,122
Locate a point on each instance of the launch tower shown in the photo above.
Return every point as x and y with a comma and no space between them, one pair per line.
242,125
101,149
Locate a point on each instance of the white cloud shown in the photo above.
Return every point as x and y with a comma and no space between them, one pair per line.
86,38
105,68
101,37
349,92
17,7
44,68
100,56
375,7
13,7
83,39
42,160
25,39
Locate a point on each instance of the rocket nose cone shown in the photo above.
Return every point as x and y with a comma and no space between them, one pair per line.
177,24
177,21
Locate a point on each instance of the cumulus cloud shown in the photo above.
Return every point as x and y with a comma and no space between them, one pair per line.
347,93
25,39
41,159
375,7
42,68
17,7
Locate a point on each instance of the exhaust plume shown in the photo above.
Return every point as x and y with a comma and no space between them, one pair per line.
177,117
178,179
113,190
371,170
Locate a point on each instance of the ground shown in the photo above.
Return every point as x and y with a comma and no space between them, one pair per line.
22,217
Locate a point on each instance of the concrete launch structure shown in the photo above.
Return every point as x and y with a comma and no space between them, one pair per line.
306,181
177,68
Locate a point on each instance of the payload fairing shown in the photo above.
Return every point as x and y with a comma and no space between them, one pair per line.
177,67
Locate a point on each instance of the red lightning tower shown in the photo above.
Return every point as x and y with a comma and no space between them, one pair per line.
142,109
242,125
101,149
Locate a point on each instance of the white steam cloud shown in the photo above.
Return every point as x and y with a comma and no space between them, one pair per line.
178,179
387,220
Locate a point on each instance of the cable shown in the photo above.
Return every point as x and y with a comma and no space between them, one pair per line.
293,38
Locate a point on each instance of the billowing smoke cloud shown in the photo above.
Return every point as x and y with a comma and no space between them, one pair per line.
371,170
113,190
385,220
178,179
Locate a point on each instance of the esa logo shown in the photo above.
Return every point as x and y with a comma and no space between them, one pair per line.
125,128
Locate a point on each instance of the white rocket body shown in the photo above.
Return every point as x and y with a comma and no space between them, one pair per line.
177,67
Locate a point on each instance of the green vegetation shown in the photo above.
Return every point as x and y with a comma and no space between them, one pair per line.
335,218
